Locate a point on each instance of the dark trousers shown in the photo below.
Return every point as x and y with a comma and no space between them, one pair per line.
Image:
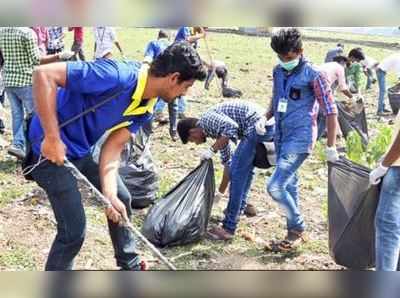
54,51
66,201
78,50
2,126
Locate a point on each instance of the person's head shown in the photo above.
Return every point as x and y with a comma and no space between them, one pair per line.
288,45
189,131
163,34
342,60
356,55
179,66
340,45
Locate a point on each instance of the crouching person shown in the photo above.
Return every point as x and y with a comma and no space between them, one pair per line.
299,90
231,121
123,94
387,218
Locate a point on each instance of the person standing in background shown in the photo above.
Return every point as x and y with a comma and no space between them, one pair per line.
42,35
332,53
105,38
55,42
21,54
77,46
191,35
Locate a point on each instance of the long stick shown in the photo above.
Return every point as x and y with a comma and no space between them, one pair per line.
105,203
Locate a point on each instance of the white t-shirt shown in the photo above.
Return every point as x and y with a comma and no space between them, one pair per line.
391,64
334,73
105,37
369,63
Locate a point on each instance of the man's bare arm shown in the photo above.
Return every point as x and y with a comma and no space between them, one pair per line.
46,80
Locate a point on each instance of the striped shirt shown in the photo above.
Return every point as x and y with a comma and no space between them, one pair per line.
21,55
232,119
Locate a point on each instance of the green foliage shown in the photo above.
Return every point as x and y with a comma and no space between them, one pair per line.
368,156
320,151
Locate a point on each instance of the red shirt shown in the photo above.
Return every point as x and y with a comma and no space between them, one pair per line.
78,33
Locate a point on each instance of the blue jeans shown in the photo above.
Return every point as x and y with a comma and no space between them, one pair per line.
21,98
65,199
381,77
181,104
241,175
172,112
387,222
283,188
370,78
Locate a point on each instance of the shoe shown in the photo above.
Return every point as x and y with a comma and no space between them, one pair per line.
141,266
174,136
160,118
16,152
293,240
250,210
218,233
387,111
181,116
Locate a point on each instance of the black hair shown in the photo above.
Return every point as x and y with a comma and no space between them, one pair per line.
163,34
286,40
340,59
179,57
340,45
184,126
357,53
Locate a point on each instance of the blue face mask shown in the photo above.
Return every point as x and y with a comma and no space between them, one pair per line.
289,66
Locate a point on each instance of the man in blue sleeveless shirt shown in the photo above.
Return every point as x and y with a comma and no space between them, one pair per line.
64,90
299,91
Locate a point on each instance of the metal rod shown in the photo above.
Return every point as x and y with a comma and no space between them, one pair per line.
106,204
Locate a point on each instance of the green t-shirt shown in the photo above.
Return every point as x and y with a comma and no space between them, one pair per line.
353,76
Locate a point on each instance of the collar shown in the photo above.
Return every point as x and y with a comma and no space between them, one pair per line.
137,97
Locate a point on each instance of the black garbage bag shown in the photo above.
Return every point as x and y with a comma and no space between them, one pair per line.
265,155
352,205
181,216
138,171
353,118
231,92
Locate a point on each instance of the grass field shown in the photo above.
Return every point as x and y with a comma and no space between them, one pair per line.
27,226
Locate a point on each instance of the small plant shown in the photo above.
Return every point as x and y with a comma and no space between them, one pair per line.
370,155
355,148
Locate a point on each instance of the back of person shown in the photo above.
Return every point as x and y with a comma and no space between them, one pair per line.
104,38
391,64
334,73
333,53
244,114
20,54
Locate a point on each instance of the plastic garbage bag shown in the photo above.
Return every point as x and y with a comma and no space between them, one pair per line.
352,205
231,92
139,172
353,118
137,169
265,155
181,216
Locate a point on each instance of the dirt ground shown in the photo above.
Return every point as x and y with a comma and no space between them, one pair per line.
27,224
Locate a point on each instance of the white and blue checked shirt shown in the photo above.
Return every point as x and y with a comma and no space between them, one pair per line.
232,119
55,41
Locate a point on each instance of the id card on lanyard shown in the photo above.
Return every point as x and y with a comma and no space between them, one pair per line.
282,105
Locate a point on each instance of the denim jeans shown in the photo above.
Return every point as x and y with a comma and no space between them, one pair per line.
241,175
21,98
283,188
370,78
387,222
66,201
381,77
172,112
181,104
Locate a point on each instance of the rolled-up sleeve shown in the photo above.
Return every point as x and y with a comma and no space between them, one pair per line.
226,154
323,94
